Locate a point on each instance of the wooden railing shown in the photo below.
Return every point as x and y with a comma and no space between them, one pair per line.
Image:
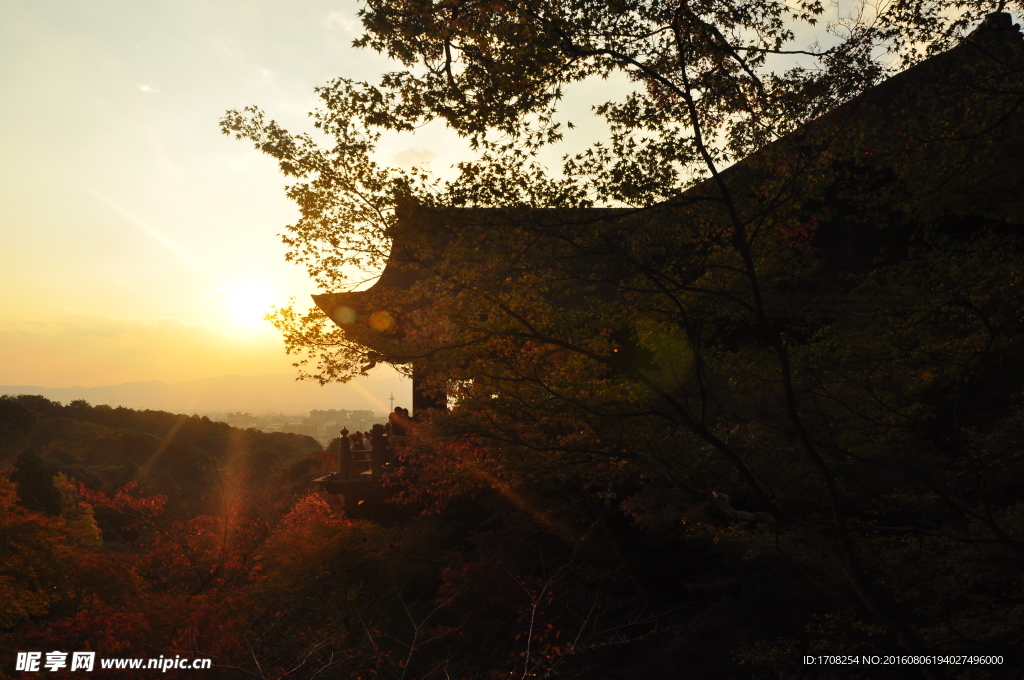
362,465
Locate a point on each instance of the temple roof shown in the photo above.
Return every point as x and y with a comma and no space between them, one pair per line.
913,123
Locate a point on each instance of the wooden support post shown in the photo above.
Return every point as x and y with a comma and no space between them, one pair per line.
377,452
421,401
345,456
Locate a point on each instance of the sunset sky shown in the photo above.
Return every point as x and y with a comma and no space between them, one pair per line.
139,243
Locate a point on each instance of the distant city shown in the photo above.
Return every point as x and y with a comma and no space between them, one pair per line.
252,396
322,425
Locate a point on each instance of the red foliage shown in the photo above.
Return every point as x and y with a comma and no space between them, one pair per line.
124,501
432,474
103,629
801,235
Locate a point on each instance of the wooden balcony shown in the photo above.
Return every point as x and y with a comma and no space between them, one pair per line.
360,468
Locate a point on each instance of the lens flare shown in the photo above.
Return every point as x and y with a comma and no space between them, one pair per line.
381,320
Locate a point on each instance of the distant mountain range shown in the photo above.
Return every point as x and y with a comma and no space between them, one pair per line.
259,394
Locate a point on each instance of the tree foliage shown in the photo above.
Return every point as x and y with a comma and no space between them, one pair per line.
795,316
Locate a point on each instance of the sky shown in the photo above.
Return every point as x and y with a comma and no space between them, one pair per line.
138,242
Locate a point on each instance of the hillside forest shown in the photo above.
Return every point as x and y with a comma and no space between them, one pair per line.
144,533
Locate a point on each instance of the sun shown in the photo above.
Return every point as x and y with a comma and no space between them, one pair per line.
249,303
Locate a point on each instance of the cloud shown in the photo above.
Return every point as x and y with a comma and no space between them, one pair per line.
411,157
341,21
148,89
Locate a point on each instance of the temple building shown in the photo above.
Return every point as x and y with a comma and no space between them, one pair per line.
941,143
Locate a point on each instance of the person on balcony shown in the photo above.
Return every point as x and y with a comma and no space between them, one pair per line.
397,422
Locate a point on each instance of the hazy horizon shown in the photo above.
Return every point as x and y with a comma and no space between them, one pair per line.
264,394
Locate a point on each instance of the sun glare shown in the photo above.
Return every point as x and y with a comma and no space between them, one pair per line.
249,304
